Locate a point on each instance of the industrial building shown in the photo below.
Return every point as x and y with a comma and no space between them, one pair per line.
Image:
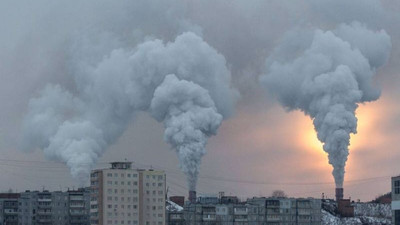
396,200
123,195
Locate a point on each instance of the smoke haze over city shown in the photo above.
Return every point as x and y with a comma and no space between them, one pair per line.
222,95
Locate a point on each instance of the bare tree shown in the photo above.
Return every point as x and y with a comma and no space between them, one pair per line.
279,194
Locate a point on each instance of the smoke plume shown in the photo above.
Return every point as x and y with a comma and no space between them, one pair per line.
76,126
190,117
326,75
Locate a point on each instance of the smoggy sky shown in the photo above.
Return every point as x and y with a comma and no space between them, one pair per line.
260,148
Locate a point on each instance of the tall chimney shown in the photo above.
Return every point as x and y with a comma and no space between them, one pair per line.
192,196
339,194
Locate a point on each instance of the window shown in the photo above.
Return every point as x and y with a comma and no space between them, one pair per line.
109,174
397,187
129,175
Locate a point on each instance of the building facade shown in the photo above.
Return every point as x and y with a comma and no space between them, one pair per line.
9,208
396,200
47,208
255,211
42,208
79,206
122,195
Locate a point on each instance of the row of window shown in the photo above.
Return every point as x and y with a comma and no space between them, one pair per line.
128,199
110,182
109,206
122,191
122,175
134,222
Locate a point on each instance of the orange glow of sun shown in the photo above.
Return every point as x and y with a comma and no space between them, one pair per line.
307,136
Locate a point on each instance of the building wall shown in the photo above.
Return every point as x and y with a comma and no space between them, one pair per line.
47,208
256,211
121,195
396,200
153,191
9,209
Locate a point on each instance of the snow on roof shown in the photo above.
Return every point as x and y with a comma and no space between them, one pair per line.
172,206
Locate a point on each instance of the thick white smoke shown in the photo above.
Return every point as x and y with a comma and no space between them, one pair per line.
190,117
327,81
77,128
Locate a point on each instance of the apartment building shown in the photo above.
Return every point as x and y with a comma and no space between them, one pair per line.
127,196
79,206
255,211
47,208
396,200
285,211
42,208
9,208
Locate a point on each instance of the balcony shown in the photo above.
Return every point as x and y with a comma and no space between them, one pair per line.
240,211
240,218
44,213
10,211
273,218
80,205
76,198
209,217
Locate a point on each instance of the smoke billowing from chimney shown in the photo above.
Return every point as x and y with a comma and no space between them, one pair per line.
190,117
76,128
339,194
326,74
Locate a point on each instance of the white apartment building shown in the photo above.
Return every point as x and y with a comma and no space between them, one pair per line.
125,196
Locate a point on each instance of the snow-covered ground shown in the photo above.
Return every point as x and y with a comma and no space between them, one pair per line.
365,214
372,209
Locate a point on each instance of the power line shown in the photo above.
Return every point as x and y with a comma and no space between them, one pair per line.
215,178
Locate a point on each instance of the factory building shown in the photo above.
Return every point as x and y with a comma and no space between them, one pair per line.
123,195
396,200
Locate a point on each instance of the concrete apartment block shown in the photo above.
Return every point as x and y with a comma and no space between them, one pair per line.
123,195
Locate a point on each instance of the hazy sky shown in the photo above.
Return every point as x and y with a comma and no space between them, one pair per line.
260,148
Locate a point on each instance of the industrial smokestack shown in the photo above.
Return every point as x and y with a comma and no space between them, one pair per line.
339,194
192,196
